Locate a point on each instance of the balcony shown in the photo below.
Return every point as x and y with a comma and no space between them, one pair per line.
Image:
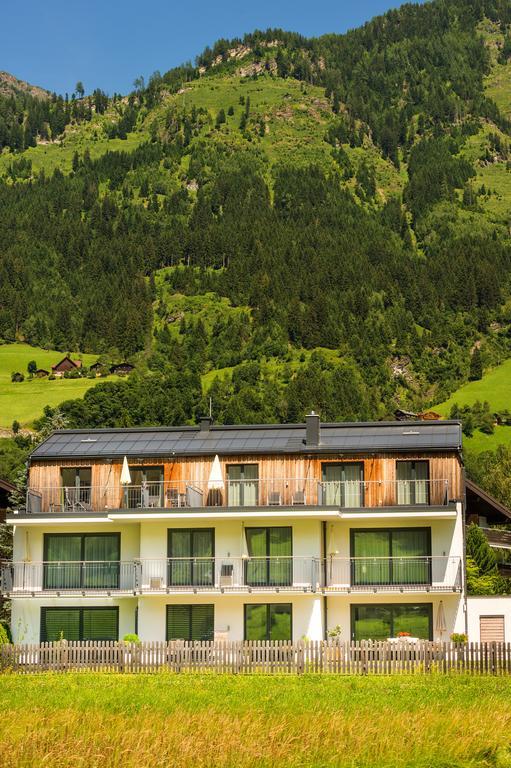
268,493
233,574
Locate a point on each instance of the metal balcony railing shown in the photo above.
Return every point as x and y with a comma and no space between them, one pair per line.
295,492
224,574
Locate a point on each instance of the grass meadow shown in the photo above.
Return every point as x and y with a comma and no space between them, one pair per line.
25,401
146,721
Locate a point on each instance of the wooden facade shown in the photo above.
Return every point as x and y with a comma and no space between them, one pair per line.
282,471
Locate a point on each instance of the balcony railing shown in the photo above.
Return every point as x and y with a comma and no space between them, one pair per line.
224,574
299,493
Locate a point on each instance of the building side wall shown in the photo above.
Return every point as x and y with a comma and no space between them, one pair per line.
488,606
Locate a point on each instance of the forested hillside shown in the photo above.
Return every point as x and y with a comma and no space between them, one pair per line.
288,224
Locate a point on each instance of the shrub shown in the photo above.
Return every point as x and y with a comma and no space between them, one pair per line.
17,377
131,638
4,635
459,637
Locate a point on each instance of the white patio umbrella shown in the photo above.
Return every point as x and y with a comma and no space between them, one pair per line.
441,625
216,480
125,473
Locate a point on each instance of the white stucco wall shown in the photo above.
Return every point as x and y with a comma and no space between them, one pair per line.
26,614
229,613
488,606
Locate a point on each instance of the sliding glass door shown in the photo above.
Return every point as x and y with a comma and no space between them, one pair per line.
242,485
412,482
343,484
191,556
76,560
146,489
391,557
76,488
268,621
269,557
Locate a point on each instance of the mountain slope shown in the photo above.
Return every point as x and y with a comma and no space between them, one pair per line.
284,197
10,86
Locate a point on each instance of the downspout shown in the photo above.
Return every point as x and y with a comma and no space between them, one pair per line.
463,528
325,599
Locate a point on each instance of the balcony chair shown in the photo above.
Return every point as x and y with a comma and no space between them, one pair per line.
298,499
274,499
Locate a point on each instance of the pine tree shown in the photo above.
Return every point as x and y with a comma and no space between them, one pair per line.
480,551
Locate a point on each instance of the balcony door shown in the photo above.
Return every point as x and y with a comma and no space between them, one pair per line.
412,482
269,561
146,489
76,488
81,561
243,485
397,556
343,484
191,557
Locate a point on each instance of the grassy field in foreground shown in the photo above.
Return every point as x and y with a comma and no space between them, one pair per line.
87,721
25,401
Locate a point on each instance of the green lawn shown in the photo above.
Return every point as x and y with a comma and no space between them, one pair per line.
105,721
25,401
495,387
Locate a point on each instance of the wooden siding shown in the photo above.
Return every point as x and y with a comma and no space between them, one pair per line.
379,474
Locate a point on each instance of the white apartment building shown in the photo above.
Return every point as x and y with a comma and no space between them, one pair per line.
241,532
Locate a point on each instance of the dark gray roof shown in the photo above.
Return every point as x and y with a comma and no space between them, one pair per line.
249,439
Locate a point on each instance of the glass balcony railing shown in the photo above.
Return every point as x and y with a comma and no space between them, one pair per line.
188,494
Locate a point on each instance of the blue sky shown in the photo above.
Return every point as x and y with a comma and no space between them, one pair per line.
108,43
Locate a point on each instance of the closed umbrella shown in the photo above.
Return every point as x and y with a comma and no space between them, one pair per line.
215,483
441,625
125,473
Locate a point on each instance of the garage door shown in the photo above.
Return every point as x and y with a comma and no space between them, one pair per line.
491,629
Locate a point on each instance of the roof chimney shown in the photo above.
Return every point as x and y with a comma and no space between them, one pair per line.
205,423
312,432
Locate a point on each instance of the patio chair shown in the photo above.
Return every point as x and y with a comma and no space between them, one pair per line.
274,499
298,499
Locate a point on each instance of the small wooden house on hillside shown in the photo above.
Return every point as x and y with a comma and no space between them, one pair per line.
41,373
122,369
66,364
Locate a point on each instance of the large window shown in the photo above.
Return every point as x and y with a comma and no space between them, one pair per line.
81,560
79,624
343,484
379,622
412,482
191,556
269,560
76,487
146,489
190,622
243,485
269,621
391,556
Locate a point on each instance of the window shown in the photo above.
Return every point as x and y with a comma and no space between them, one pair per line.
81,560
76,487
190,622
379,622
268,621
412,482
243,485
343,485
393,556
191,556
79,624
269,560
146,489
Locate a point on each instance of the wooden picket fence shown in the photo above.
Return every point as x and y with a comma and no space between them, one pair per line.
332,656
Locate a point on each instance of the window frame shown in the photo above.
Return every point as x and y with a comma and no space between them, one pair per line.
46,538
343,464
242,481
80,609
391,556
268,606
193,581
413,487
391,606
267,556
189,607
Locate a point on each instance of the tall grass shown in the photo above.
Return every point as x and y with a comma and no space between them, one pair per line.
89,721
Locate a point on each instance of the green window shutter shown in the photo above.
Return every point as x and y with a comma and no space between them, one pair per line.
202,622
100,623
178,622
60,624
190,622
